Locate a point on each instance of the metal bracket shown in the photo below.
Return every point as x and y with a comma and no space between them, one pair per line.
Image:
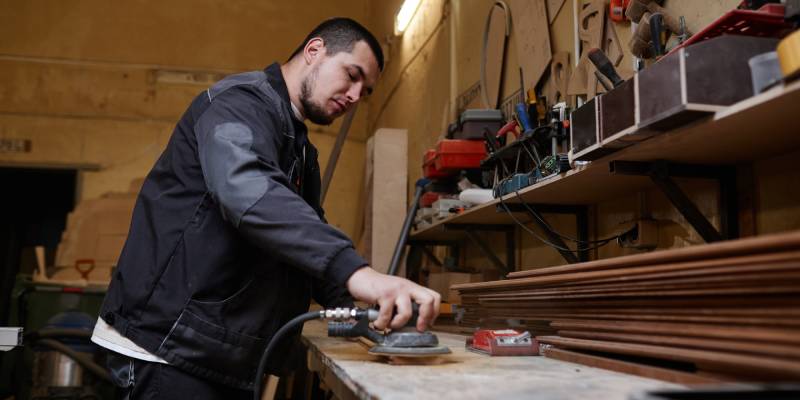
661,172
470,229
581,221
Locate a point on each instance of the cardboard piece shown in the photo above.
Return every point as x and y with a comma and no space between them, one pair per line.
532,35
553,8
389,194
495,55
591,22
560,72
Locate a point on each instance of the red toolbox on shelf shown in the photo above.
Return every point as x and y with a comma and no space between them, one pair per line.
428,199
429,169
453,154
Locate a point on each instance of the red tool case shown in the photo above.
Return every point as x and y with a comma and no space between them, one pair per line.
429,198
453,154
429,169
503,342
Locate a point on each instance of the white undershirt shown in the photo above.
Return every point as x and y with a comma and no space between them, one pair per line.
296,112
105,335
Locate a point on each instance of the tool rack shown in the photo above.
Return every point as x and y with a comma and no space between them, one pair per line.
753,129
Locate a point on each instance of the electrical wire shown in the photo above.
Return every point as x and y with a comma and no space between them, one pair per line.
571,239
602,242
276,338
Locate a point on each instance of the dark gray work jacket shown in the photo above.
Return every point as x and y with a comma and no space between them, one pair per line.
228,240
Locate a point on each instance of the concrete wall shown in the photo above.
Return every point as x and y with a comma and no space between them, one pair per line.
102,83
418,83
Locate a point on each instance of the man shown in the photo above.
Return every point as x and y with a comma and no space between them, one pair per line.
228,240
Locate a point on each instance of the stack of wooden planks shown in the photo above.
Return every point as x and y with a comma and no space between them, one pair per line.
727,311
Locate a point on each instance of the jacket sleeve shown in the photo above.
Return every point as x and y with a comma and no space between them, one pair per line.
239,141
331,295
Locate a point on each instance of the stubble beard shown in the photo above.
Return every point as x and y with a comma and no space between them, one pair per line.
314,112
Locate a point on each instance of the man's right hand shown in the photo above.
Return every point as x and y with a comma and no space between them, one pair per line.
389,292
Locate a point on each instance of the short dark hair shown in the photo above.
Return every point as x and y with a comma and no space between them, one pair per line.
341,34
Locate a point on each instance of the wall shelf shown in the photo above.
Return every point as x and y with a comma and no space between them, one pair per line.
753,129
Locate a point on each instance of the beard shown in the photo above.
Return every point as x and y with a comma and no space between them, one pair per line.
314,112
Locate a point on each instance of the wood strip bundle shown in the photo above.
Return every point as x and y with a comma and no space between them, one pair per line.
727,311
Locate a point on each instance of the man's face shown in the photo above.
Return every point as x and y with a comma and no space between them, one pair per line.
337,82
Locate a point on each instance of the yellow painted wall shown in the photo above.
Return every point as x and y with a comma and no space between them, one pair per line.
103,83
415,90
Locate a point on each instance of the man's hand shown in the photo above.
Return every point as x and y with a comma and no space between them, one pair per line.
389,292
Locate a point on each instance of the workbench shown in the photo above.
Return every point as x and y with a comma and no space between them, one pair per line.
346,368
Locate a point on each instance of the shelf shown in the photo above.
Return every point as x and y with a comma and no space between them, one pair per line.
757,128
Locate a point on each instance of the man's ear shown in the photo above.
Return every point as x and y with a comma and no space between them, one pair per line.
314,50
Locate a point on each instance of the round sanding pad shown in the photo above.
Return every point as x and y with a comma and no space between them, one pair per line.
409,351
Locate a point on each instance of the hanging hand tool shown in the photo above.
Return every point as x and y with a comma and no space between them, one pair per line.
640,40
502,134
604,66
616,10
637,8
656,33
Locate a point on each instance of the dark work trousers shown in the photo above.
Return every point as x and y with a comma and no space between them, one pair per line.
136,379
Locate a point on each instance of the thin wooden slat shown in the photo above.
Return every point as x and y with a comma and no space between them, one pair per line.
711,360
784,289
789,312
581,275
694,301
773,335
731,321
647,371
739,279
753,245
730,346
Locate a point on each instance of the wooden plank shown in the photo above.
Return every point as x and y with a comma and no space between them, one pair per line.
733,312
753,321
664,374
726,345
771,335
738,364
602,276
685,258
792,289
631,277
696,301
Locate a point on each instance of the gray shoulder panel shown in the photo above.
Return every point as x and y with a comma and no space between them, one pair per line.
258,80
231,170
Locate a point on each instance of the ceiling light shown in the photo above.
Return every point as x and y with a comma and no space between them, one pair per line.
404,16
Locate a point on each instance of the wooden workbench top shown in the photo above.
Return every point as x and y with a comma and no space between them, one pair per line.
350,372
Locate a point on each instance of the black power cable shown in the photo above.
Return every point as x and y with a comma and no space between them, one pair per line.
299,320
571,239
601,242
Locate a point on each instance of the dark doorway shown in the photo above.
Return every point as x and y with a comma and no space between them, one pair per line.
33,212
